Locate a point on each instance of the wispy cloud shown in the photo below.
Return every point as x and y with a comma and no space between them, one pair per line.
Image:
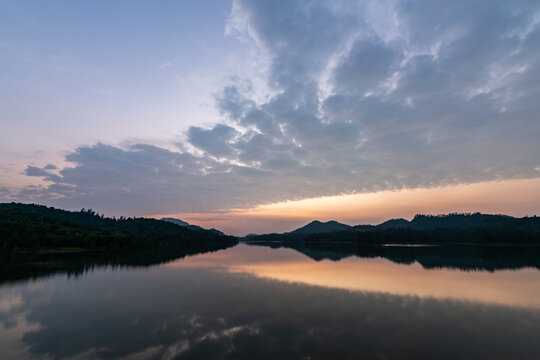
165,65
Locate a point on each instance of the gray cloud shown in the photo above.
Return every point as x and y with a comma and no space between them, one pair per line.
35,171
369,96
214,141
44,172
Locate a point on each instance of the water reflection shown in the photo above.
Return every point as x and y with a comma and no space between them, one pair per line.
378,274
26,267
466,257
229,304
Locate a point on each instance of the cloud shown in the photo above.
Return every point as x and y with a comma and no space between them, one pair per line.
35,171
44,172
365,97
215,142
165,65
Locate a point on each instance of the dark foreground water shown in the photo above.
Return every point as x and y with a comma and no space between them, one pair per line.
253,302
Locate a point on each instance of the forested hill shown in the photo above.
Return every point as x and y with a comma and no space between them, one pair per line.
32,227
320,227
190,226
454,228
455,220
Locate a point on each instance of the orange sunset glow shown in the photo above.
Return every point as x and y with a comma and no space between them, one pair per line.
378,275
520,197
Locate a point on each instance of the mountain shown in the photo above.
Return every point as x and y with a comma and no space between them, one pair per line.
392,224
454,220
452,228
247,237
179,222
190,226
321,227
455,227
425,222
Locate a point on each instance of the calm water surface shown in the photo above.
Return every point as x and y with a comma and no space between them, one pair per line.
252,302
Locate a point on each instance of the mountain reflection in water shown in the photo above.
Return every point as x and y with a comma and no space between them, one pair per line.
255,302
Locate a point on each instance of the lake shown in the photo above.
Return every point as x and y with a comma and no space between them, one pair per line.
253,302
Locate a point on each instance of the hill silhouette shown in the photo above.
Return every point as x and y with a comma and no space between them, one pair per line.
190,226
321,227
455,228
454,220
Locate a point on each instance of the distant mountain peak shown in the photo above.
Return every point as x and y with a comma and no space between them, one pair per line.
394,223
317,226
175,221
190,226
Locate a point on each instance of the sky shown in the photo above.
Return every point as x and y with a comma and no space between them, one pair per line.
259,116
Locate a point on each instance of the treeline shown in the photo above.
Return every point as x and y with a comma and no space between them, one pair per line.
30,227
456,220
451,228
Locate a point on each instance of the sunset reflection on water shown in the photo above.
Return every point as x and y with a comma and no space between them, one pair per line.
506,287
